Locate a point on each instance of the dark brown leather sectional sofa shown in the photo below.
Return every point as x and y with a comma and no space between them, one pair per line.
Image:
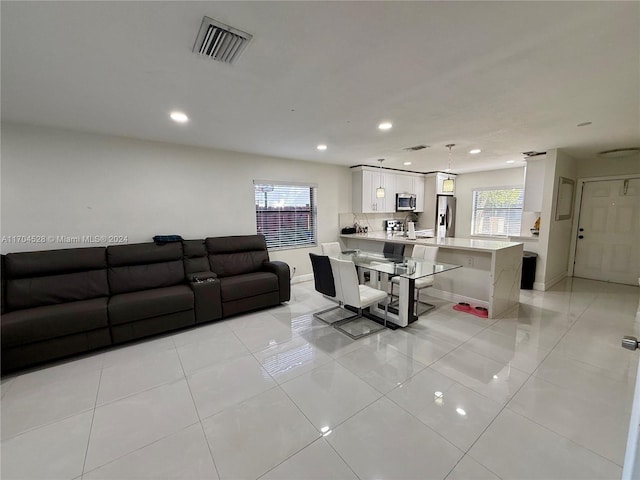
58,303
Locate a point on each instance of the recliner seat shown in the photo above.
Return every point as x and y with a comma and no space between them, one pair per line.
55,304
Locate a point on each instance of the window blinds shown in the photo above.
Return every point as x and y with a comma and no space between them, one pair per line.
286,215
497,212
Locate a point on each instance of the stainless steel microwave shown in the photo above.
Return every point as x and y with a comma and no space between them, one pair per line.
405,202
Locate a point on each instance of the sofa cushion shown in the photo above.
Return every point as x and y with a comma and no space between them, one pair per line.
52,321
247,285
195,256
35,279
236,255
145,277
129,307
143,253
50,290
54,262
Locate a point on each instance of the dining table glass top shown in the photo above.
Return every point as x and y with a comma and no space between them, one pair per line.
408,267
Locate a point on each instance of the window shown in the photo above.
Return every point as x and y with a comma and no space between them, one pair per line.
286,214
497,211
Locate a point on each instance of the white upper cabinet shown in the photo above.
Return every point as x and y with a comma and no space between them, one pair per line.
366,181
404,184
534,181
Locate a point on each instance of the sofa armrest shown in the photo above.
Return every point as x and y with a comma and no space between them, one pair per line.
207,299
281,269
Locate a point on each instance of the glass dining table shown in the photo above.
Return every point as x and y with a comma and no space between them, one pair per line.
407,269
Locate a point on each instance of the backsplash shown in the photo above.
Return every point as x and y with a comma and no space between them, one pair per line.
373,221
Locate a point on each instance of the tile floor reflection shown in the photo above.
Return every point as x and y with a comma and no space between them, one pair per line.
544,392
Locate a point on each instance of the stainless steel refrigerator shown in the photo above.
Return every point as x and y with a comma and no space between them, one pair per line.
446,216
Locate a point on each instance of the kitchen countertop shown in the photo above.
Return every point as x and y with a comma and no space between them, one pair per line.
448,242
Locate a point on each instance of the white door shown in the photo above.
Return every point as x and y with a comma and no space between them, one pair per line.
609,231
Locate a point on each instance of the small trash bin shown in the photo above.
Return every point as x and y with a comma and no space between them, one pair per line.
528,270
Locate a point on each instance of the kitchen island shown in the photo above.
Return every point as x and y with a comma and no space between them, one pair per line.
491,271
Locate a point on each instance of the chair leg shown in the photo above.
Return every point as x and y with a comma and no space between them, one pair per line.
428,305
339,325
339,306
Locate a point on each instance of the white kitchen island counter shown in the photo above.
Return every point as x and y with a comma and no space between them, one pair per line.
491,271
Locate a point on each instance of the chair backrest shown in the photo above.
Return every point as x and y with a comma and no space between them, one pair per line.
346,281
322,274
331,249
425,252
393,249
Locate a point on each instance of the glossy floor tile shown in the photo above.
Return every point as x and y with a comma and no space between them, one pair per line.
318,461
384,441
250,438
515,447
184,454
330,394
456,412
544,392
130,423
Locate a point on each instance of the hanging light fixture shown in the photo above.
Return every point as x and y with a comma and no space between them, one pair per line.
380,189
449,183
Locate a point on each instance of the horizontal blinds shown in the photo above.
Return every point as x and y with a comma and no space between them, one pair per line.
497,211
286,215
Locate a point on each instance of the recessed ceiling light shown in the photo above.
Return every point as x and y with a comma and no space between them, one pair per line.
511,161
179,117
321,147
584,124
461,411
474,151
385,126
407,163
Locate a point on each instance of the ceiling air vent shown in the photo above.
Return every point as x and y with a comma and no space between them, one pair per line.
219,41
533,153
416,148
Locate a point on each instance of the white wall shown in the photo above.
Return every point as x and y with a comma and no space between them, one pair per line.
559,232
467,182
66,183
603,167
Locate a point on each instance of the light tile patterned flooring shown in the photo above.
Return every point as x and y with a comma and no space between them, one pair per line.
543,393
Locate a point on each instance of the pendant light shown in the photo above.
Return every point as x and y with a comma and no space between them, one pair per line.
448,184
380,189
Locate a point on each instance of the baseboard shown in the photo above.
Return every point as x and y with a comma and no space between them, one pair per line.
454,297
538,286
550,283
302,278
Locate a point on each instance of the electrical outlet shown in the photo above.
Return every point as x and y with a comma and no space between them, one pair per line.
469,262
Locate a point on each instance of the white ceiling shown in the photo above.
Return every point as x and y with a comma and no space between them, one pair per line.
505,77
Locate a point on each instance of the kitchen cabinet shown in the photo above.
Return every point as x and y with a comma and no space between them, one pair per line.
534,180
366,180
364,186
412,183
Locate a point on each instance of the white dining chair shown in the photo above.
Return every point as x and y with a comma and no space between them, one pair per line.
422,252
351,293
331,249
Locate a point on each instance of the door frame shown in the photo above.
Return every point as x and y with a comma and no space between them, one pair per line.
578,208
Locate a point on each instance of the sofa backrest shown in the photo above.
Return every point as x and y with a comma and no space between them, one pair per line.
35,279
195,256
236,255
143,266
